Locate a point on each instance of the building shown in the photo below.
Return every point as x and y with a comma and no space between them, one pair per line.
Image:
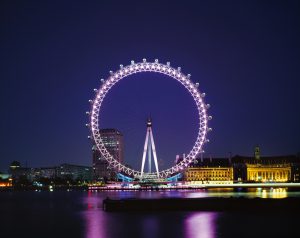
266,169
295,176
254,168
19,173
48,172
211,175
5,180
74,172
113,141
209,170
269,172
44,172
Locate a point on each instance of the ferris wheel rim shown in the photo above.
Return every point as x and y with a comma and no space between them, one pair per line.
157,67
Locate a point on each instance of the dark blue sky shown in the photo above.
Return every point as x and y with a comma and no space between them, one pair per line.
244,54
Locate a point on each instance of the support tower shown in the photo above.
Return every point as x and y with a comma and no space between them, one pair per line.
150,147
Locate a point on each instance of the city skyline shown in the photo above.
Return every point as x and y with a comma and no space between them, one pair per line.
245,57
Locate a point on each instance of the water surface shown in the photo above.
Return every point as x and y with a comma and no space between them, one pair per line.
79,214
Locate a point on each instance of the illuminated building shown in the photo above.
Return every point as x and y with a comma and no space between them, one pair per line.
254,168
113,141
266,169
210,174
269,173
19,172
14,165
64,171
75,172
5,180
217,171
46,172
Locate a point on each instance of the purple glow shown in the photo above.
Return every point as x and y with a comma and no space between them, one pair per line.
94,218
201,225
150,227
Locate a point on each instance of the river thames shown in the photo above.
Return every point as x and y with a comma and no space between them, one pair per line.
79,214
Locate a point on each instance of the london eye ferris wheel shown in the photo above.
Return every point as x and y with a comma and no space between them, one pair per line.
166,69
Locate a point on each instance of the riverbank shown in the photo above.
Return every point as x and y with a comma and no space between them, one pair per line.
44,188
154,187
191,186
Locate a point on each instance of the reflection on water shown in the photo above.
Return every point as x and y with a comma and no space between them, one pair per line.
79,214
201,225
98,223
95,225
272,193
204,193
93,216
249,193
150,227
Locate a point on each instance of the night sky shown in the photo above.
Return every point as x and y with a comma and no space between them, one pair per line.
244,54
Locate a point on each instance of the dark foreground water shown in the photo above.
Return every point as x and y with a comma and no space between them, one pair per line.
79,214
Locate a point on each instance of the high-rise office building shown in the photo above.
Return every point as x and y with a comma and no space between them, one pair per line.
113,141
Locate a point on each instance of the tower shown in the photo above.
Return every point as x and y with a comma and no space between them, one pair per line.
257,153
150,148
113,141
